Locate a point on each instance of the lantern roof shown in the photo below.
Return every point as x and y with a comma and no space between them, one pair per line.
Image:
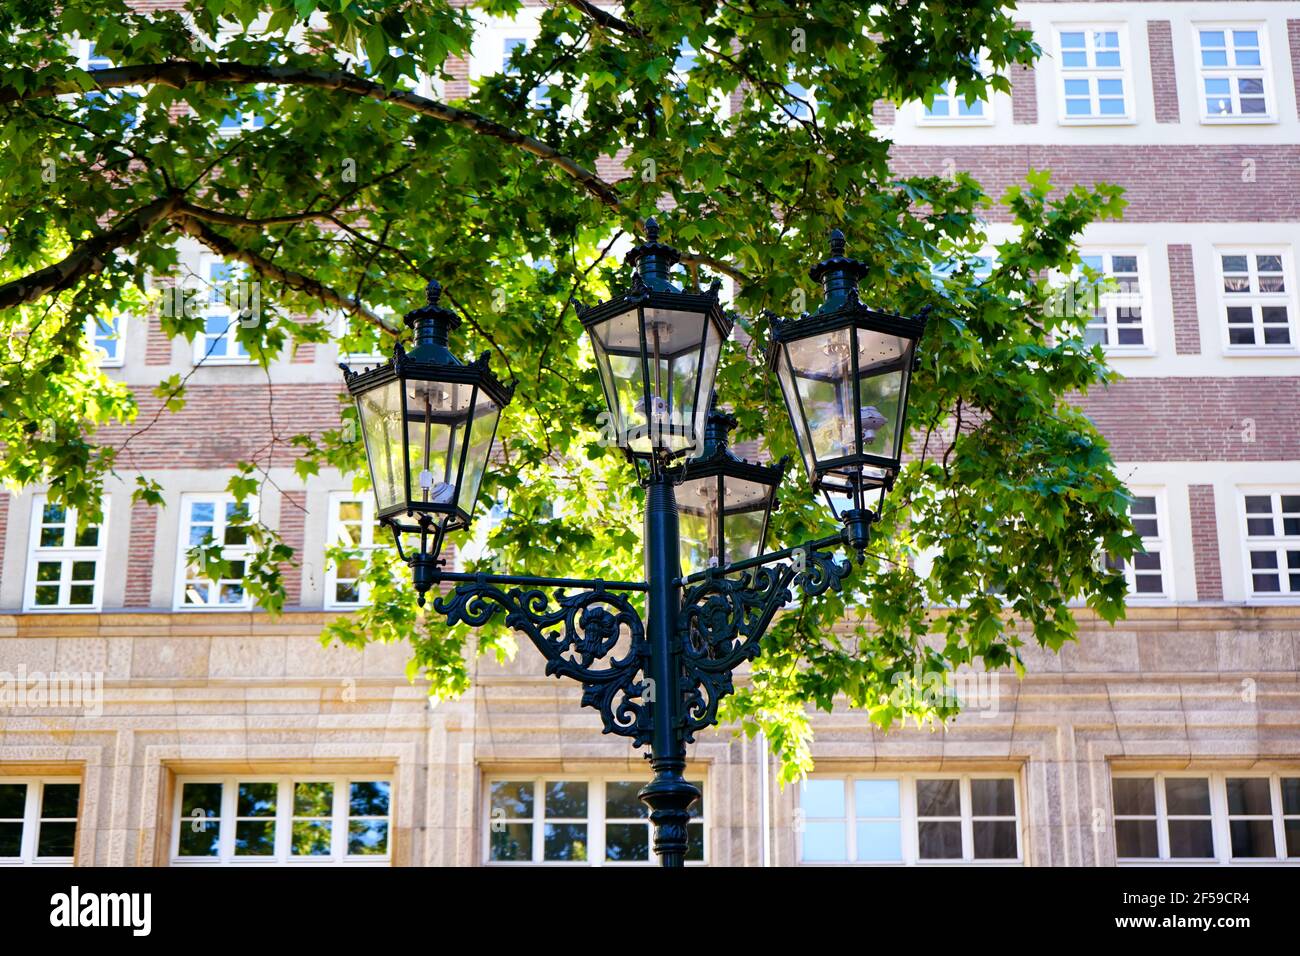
717,458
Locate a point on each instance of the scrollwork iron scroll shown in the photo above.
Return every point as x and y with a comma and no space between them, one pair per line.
724,618
579,637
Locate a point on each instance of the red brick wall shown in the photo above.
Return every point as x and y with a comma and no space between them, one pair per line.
1205,543
1182,287
293,521
1199,419
4,527
882,113
1162,183
1024,95
1164,78
140,555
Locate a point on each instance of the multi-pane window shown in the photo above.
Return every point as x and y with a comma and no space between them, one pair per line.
213,522
1257,298
38,820
922,818
593,821
353,528
951,107
1273,543
301,819
1114,311
106,337
541,94
90,59
1225,817
1093,73
238,120
1147,572
65,569
1234,82
228,297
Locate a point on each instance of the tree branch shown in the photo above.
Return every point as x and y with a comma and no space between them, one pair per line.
88,257
606,19
224,247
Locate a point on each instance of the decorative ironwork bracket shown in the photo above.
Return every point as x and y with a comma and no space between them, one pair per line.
594,636
724,618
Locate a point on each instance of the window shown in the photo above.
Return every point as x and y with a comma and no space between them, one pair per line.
65,570
216,520
1094,74
950,108
362,343
236,121
540,96
1273,544
269,820
593,820
921,818
1257,298
1223,817
90,59
106,335
1147,574
227,298
979,266
1115,313
38,821
1234,81
352,526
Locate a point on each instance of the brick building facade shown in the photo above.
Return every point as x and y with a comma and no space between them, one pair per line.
1174,735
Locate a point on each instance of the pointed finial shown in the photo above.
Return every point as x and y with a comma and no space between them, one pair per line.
433,292
837,242
652,229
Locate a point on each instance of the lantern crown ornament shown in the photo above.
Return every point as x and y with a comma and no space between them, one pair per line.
845,372
724,502
429,423
657,349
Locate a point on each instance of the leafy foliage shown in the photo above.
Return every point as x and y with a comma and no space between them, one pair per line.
359,183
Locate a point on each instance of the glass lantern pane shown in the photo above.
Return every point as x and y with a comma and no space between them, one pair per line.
673,344
436,417
823,375
697,510
744,533
792,405
882,365
617,343
696,413
380,410
482,429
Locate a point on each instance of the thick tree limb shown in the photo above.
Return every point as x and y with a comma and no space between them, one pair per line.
88,257
227,249
179,74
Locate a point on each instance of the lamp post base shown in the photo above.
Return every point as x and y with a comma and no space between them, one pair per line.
670,798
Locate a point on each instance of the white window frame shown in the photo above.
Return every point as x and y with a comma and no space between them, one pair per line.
1161,545
1094,74
595,819
235,353
118,358
1234,73
367,502
1112,302
229,552
954,99
1278,543
66,555
362,358
909,819
1256,300
32,819
1219,818
82,48
283,818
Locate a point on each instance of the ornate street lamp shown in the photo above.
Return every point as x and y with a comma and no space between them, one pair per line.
723,501
657,350
656,673
845,372
428,421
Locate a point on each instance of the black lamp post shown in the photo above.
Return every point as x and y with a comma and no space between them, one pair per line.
429,423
